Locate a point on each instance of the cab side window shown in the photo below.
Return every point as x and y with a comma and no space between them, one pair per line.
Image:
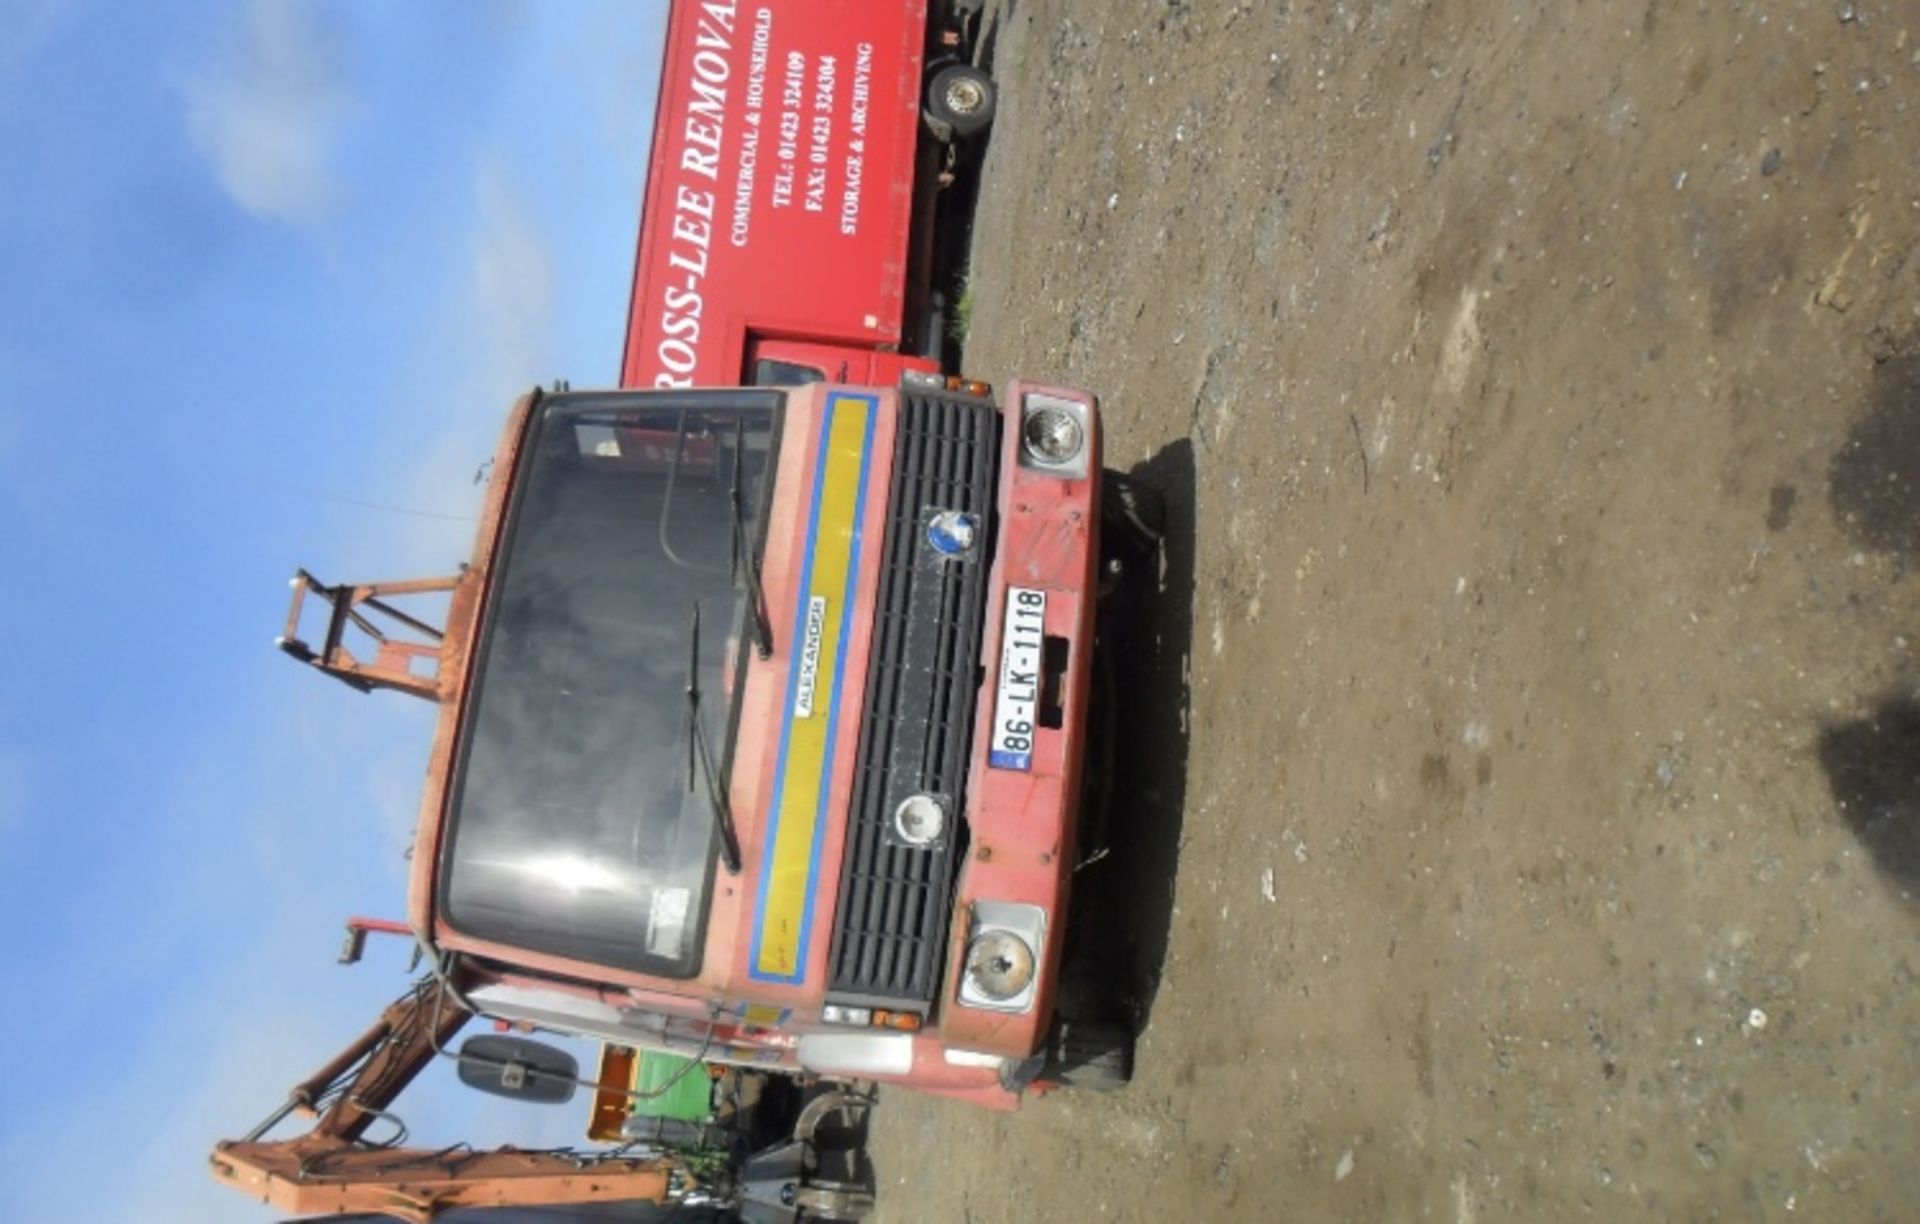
768,373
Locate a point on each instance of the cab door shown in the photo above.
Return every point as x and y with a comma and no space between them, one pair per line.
793,363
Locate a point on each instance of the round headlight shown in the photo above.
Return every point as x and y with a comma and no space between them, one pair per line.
1000,965
1052,435
920,820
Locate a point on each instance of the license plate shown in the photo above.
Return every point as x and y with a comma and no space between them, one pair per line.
1018,697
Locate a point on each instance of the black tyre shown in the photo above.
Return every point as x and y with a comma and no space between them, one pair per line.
1096,777
1088,1056
1133,522
1132,510
961,98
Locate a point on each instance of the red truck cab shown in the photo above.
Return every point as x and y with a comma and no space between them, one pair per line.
773,757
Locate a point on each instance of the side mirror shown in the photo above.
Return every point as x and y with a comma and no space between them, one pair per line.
520,1069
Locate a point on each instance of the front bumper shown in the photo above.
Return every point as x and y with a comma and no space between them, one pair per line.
1024,822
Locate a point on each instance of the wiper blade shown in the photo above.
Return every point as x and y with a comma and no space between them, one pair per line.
698,753
744,550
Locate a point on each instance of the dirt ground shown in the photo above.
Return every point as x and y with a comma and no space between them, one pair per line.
1522,750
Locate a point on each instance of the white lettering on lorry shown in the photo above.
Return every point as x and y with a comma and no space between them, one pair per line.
857,145
690,227
787,146
743,182
820,135
809,678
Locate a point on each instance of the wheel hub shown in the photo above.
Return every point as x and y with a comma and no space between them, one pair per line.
964,96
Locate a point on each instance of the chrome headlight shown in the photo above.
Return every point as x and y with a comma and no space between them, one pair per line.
1000,965
1001,971
1053,435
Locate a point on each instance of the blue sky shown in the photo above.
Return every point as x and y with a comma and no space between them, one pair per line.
264,266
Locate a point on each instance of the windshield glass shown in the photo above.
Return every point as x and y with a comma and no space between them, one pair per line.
574,830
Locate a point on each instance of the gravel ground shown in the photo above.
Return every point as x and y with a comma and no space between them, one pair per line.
1522,748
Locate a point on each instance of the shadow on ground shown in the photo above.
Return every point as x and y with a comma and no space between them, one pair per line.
1875,478
1123,902
1873,768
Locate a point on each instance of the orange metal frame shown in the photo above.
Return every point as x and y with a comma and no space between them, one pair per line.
357,605
332,1169
322,1174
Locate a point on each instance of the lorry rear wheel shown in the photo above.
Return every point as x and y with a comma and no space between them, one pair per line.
1133,522
1090,1057
961,97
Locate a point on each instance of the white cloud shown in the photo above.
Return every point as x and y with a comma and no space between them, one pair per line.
200,1070
617,59
265,116
513,283
211,1061
494,343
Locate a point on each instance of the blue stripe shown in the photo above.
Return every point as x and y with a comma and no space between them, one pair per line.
840,670
803,591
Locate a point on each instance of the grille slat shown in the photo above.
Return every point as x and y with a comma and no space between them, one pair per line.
916,724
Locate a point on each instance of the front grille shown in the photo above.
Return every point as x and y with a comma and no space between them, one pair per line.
916,728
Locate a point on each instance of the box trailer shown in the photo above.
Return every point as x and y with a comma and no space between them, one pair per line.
793,197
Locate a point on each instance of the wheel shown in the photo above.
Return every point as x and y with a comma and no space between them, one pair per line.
961,98
1090,1057
1103,738
1133,522
1134,510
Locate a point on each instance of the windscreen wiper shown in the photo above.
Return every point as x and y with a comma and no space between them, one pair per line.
698,753
745,551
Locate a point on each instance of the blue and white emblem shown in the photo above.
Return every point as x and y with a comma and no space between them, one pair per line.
952,532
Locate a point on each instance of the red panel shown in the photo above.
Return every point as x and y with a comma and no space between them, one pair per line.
781,184
1024,823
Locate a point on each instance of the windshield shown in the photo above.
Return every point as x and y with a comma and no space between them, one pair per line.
580,825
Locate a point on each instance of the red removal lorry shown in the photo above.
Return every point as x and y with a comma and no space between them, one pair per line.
787,231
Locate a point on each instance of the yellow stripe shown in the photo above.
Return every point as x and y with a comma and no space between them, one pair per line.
792,854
